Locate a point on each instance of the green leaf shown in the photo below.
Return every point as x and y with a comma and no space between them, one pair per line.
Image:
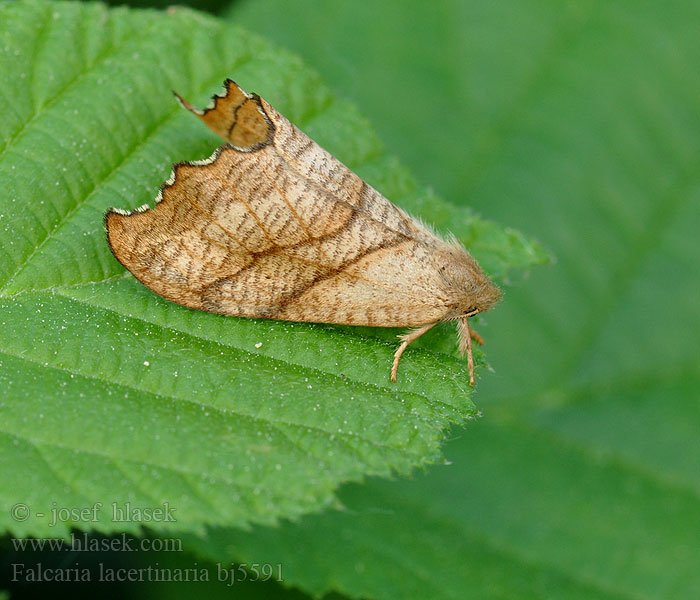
580,122
111,394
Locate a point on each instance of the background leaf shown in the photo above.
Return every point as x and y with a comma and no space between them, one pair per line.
580,122
111,394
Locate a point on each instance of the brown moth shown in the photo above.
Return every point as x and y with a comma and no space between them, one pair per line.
272,226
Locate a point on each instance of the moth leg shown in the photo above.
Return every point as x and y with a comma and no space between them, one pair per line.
476,337
407,338
465,344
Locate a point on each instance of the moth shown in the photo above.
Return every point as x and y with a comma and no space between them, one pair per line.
272,226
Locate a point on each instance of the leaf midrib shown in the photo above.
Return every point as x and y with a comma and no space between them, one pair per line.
100,59
640,253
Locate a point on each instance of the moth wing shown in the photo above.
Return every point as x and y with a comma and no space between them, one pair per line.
249,123
279,228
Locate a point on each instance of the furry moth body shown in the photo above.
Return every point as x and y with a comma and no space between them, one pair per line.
273,226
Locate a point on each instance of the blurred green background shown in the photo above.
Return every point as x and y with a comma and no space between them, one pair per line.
577,123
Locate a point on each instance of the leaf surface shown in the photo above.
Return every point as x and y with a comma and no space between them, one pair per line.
112,394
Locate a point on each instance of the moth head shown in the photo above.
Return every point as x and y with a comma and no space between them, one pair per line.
482,292
471,289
